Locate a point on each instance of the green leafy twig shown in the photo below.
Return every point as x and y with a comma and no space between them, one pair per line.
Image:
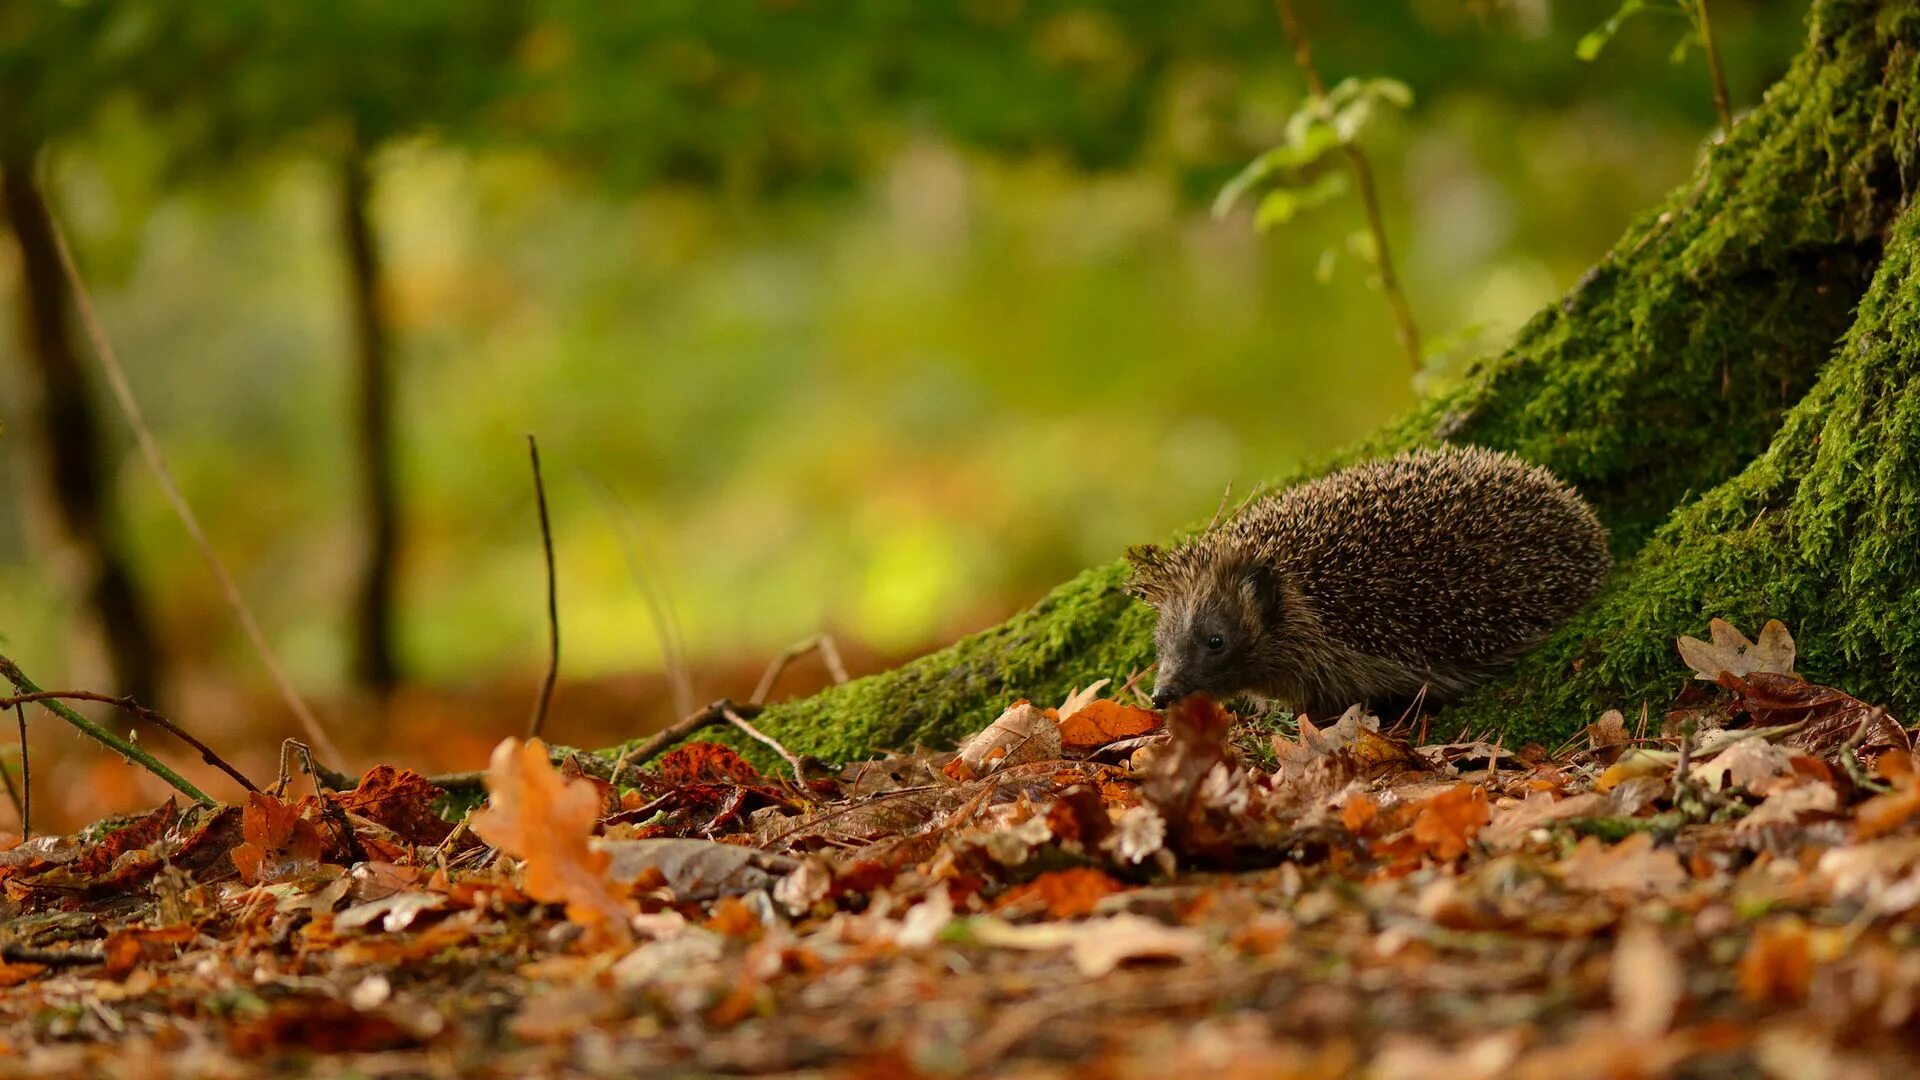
11,671
1695,13
1329,119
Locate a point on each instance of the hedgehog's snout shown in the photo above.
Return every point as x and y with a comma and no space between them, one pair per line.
1168,689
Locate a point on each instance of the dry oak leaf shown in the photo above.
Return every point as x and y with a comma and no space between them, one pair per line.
280,844
1884,813
1450,819
1732,652
1098,723
1634,865
1022,734
547,821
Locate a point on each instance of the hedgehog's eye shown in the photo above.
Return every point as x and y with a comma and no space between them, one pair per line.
1216,643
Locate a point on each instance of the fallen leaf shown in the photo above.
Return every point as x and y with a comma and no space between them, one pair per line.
1731,652
1635,764
707,763
1828,717
1609,730
1101,722
1060,894
547,822
1080,699
1647,981
1447,822
1791,805
1634,865
1097,946
1778,964
695,869
1752,763
1023,733
280,844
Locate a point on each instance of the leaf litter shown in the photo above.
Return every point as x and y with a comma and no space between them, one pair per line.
1728,889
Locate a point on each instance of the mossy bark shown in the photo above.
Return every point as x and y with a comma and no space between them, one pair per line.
1726,385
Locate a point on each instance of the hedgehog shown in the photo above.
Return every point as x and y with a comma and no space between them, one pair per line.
1420,574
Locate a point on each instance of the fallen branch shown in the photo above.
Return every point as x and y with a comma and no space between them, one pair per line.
553,602
30,692
754,733
157,462
128,705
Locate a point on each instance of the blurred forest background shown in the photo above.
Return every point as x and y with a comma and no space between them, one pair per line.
874,317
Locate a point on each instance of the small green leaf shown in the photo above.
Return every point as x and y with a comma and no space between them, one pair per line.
1282,205
1596,39
1687,40
1392,91
1300,150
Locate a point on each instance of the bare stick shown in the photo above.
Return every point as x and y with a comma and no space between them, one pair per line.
1404,328
754,733
1720,97
553,601
820,643
157,462
660,607
12,673
23,805
128,705
291,749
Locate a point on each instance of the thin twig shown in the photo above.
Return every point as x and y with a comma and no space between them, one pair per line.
754,733
23,805
1720,97
553,600
157,462
1404,327
12,673
128,705
659,600
820,643
294,748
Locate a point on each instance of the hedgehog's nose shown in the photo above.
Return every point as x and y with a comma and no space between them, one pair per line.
1165,694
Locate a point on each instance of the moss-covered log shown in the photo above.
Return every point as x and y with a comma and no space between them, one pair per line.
1710,385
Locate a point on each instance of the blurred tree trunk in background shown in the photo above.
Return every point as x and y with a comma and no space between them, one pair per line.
374,664
69,460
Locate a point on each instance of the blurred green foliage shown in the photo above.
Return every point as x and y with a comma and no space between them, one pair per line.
878,316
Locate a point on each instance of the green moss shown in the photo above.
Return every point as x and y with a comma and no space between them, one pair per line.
1684,386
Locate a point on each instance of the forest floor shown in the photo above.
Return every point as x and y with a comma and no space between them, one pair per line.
1728,888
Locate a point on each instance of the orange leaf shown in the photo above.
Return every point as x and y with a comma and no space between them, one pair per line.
1098,723
279,843
539,817
1358,814
1450,819
1778,964
1063,894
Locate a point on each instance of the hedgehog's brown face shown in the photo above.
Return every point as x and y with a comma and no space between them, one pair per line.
1213,620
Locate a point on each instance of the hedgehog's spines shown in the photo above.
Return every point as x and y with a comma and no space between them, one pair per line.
1430,568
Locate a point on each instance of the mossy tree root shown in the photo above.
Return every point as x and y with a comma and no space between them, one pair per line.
1689,385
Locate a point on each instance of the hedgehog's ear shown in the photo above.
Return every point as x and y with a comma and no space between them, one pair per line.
1148,563
1260,591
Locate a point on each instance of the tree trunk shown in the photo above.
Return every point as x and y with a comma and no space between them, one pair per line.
1736,386
374,664
68,446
